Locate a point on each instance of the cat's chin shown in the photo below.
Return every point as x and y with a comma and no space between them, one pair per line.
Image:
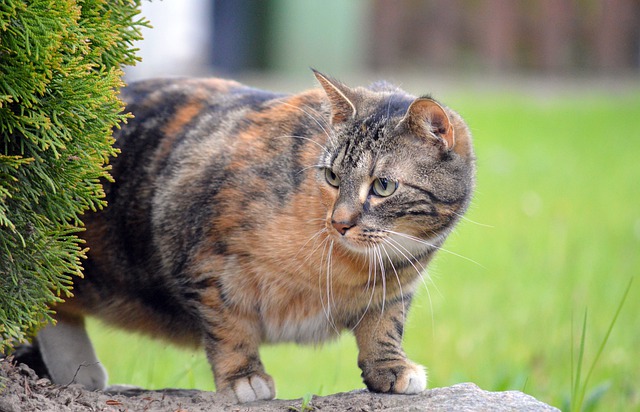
354,246
399,247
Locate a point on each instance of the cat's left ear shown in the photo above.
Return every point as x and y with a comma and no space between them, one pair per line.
340,96
426,118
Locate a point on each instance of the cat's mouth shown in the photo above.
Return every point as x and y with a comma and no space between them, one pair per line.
389,244
358,239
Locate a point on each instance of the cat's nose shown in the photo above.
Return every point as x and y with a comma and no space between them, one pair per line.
342,227
344,217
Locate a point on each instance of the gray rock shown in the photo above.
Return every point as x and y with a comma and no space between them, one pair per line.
21,390
460,398
464,397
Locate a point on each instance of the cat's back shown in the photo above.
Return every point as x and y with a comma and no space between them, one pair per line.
194,151
169,108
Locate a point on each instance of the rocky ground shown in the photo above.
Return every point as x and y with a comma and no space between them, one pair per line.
22,391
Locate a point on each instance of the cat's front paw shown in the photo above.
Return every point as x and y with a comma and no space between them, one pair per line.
395,377
255,387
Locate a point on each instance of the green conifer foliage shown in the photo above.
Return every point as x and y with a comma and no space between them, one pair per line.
60,74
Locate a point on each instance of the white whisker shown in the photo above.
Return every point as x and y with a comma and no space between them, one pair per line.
329,133
309,167
389,108
330,297
398,246
383,276
463,217
315,219
326,130
373,264
307,139
404,313
314,238
421,274
431,245
373,290
325,309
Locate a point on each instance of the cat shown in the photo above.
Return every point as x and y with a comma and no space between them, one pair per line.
239,216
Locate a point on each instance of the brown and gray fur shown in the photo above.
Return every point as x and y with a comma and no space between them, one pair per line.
240,216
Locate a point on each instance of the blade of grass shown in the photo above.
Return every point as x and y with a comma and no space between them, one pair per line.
606,338
578,392
573,378
576,399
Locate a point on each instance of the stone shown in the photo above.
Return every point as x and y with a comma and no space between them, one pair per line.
22,390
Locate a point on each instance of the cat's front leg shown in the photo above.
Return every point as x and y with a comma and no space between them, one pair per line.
232,350
385,367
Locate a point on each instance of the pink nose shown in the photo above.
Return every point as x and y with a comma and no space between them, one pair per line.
342,227
344,218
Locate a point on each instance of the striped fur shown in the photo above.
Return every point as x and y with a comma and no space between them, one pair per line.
223,230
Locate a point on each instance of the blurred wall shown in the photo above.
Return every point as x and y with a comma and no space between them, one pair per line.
538,35
547,36
179,42
327,34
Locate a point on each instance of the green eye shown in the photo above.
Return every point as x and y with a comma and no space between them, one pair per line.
383,187
331,177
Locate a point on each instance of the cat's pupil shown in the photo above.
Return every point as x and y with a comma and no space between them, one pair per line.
331,177
383,187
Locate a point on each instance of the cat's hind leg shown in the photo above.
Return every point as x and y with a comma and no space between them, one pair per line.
68,354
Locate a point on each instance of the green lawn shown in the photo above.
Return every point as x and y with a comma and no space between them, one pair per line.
554,230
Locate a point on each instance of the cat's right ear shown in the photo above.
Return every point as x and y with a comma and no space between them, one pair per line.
428,119
340,96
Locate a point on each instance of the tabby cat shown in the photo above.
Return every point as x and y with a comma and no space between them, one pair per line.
240,216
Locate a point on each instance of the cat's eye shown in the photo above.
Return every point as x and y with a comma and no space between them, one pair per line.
384,187
331,177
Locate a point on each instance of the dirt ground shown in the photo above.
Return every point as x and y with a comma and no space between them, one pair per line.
22,391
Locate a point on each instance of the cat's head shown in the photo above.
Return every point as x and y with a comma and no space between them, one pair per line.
397,172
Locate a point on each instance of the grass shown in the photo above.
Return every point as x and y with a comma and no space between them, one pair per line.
305,405
579,387
554,229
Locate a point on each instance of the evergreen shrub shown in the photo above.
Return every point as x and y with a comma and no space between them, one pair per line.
60,74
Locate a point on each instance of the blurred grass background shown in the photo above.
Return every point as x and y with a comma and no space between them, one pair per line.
554,230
